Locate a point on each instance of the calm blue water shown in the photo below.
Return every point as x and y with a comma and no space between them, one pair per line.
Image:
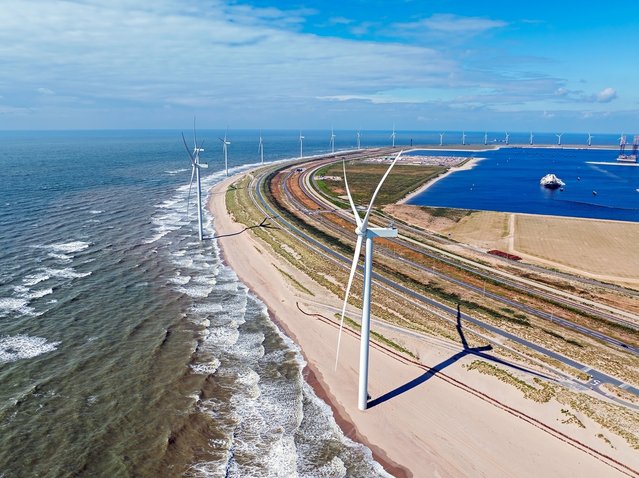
127,348
508,180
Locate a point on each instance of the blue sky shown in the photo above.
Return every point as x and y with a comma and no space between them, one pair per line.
426,65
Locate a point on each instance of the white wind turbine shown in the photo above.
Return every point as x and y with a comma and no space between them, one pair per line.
301,145
195,172
441,138
393,135
463,138
486,138
532,137
559,138
364,233
225,145
590,139
507,137
332,140
260,149
359,137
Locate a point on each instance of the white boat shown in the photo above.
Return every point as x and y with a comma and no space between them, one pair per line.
551,181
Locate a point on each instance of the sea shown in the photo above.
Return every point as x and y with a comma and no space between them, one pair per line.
127,346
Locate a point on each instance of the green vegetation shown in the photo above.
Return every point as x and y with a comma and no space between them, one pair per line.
363,178
379,337
447,212
542,394
298,285
572,418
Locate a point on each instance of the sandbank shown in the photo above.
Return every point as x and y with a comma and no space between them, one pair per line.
436,427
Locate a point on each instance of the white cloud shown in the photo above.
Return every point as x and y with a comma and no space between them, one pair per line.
606,95
458,24
45,91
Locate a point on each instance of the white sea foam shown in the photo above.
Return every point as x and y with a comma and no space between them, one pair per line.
33,279
66,273
19,347
60,257
206,368
180,279
176,171
69,247
96,211
15,304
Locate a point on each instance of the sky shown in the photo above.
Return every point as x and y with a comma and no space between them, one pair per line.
562,66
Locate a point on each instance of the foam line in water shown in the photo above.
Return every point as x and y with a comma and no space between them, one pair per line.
20,347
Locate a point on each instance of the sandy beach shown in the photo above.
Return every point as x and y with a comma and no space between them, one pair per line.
454,423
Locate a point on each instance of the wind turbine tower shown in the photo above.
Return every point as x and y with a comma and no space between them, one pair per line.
559,138
532,137
260,149
441,138
301,145
225,148
486,138
332,140
393,135
359,137
195,173
507,138
368,234
589,139
463,138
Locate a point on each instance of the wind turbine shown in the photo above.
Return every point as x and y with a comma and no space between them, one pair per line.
463,138
393,135
507,137
486,138
364,233
225,144
359,136
441,138
301,145
559,138
260,149
332,140
532,137
589,139
195,172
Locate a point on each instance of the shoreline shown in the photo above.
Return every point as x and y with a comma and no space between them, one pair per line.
423,431
465,166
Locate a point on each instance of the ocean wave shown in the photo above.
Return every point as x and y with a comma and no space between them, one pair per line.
69,247
176,171
20,347
15,304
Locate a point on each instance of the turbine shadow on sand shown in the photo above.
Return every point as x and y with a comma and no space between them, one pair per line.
432,371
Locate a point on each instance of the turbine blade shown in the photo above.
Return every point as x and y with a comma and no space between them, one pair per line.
358,248
188,150
379,186
188,198
358,219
